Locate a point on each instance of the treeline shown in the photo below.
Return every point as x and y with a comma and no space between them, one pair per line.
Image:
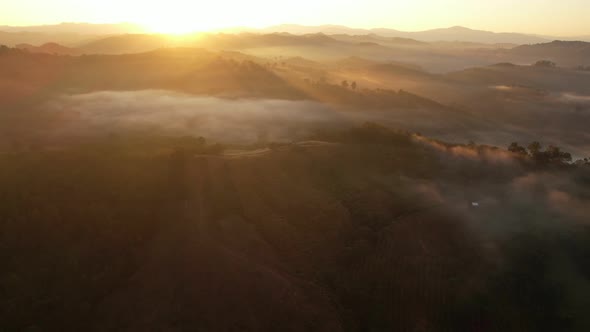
6,50
368,133
117,143
349,93
550,155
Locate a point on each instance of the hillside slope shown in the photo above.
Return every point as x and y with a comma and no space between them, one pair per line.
374,231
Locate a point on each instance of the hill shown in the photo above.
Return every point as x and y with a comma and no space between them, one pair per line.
68,34
87,29
38,38
188,70
433,56
361,229
566,53
127,43
446,34
548,79
179,69
463,34
49,48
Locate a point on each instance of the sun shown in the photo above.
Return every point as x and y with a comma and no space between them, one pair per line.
187,16
179,23
172,27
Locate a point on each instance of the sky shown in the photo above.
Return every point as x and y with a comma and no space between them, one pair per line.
550,17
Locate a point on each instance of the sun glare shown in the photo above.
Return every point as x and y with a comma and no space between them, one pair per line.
183,16
184,20
174,27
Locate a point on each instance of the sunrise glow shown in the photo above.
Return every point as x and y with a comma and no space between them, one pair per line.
568,17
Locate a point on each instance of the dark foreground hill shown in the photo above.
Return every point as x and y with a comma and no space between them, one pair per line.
365,230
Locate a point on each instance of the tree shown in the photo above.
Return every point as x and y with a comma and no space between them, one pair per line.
353,85
345,84
535,148
554,154
545,63
516,148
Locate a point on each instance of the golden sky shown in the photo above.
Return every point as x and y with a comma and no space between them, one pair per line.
562,18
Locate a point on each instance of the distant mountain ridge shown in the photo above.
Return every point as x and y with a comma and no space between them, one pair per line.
452,34
435,56
68,34
49,48
78,28
456,33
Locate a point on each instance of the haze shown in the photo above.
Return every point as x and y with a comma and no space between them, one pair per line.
329,166
562,18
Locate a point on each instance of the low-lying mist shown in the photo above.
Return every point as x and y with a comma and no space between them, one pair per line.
223,120
67,118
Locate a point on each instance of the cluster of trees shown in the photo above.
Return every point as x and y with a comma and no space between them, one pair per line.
275,64
369,133
346,85
552,154
5,49
11,50
583,68
545,64
322,80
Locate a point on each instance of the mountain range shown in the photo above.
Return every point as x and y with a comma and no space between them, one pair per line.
445,34
78,28
456,33
453,34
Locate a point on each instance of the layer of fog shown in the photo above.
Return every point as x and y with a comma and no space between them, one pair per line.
501,198
234,121
166,112
246,121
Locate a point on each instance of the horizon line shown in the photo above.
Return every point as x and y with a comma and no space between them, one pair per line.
146,29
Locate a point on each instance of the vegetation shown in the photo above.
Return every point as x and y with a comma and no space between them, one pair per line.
368,229
545,64
551,155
